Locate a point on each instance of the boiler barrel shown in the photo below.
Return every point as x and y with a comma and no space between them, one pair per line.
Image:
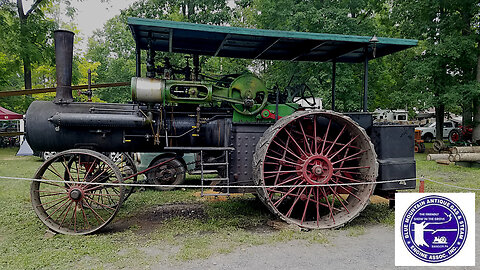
114,128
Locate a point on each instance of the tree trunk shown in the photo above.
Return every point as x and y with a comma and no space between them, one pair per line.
476,117
467,115
439,115
27,72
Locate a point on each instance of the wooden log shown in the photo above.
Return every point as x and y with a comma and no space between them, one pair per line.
465,149
443,161
437,156
465,157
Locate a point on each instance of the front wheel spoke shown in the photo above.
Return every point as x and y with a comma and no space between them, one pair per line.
102,205
52,184
97,216
52,194
51,214
87,225
75,217
66,213
52,201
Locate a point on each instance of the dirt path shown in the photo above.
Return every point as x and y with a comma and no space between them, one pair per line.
372,250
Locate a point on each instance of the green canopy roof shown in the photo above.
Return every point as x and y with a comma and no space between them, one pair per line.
235,42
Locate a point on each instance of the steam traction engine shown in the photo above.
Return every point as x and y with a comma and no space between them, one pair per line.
251,136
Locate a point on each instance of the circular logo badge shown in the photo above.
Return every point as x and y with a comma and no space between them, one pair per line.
434,229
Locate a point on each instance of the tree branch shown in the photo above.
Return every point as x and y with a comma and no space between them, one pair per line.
20,10
33,8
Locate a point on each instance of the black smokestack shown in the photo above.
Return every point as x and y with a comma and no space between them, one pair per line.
63,59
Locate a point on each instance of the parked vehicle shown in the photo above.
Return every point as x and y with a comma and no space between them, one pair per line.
429,132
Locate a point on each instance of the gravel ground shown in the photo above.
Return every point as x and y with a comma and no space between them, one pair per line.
372,250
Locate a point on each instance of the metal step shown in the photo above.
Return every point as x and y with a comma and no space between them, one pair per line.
216,164
198,172
215,179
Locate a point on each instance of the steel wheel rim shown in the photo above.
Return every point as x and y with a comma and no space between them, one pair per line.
284,157
77,208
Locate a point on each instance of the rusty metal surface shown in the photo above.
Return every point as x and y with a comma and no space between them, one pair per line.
11,134
53,89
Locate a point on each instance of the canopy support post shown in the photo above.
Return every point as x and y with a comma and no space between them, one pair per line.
138,61
365,81
334,71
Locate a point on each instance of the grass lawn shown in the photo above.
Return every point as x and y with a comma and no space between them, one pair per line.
141,234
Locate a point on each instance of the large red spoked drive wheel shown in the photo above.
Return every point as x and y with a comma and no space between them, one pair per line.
314,148
77,208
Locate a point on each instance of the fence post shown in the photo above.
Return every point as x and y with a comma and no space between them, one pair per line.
421,189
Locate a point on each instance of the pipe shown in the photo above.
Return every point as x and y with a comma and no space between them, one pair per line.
63,61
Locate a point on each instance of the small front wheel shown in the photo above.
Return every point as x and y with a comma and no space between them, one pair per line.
77,208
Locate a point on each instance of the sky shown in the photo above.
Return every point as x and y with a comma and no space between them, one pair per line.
92,14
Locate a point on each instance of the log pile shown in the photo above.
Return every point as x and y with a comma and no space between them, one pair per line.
465,155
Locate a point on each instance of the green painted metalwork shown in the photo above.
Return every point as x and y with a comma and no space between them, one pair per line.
236,42
268,111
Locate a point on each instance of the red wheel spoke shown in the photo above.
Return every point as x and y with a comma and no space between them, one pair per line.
315,135
306,205
330,208
57,174
94,194
295,202
349,157
66,213
336,139
102,205
317,204
295,142
52,194
305,138
97,216
352,168
52,201
67,170
343,147
339,199
85,218
52,184
294,171
286,147
347,178
75,217
326,134
285,193
51,214
293,164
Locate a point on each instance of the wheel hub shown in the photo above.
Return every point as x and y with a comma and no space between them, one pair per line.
317,169
76,194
